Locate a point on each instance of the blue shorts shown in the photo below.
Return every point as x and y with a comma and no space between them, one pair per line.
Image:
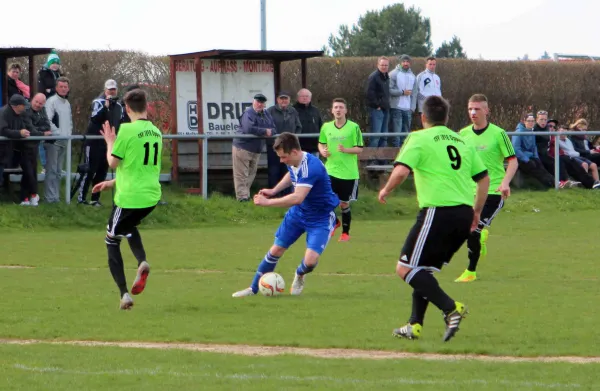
317,235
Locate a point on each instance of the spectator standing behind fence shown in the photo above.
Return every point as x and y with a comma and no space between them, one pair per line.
527,153
286,119
310,119
46,78
105,107
378,101
428,84
59,112
40,126
245,152
403,99
14,124
14,85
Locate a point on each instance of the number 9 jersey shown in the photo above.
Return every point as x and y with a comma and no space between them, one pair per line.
444,167
139,147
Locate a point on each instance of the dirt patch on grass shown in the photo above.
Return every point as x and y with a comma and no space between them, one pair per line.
250,350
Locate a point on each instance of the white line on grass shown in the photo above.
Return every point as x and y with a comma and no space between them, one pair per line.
263,376
334,353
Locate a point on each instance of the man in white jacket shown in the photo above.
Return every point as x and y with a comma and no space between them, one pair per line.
428,83
59,113
403,99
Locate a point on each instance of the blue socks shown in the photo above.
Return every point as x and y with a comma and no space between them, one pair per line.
266,266
305,269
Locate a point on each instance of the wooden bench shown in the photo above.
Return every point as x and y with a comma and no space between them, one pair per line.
6,181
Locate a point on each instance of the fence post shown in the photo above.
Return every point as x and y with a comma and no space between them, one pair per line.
68,178
556,163
205,167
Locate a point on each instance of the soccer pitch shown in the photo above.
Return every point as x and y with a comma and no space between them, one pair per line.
532,322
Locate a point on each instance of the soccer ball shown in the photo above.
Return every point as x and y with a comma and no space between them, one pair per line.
271,284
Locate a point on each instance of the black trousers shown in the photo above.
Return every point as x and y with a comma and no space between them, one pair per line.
548,162
535,168
28,162
577,172
95,158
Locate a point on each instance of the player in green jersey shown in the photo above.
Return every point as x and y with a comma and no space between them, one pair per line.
341,142
444,167
493,146
136,154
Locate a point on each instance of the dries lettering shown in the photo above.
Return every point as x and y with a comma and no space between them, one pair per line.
447,137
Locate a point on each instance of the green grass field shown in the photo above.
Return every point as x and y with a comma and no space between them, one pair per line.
535,297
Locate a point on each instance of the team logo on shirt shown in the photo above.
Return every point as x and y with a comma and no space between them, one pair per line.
426,81
335,137
481,147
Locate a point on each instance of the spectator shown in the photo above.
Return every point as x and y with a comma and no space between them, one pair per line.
59,112
527,153
567,149
105,108
582,144
246,151
310,119
14,124
428,84
49,74
14,85
38,125
286,119
378,101
403,99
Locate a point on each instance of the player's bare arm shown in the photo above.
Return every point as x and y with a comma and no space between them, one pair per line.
511,170
103,186
399,175
284,183
353,150
110,135
289,200
323,150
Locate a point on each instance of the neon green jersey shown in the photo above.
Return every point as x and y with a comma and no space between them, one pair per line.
340,164
444,167
493,146
139,146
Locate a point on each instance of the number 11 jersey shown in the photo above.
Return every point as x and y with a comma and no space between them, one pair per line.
139,147
444,167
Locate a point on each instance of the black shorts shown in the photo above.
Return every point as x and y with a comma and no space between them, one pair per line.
436,236
122,221
346,189
492,207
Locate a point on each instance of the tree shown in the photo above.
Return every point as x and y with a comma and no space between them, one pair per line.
524,58
453,49
392,31
545,56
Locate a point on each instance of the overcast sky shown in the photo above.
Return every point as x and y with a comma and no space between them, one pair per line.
491,29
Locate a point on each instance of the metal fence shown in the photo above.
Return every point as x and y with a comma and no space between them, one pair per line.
206,138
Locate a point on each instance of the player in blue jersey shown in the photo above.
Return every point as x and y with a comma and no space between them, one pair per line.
312,211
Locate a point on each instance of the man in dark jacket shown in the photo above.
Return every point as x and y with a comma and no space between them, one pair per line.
310,119
286,119
48,74
28,149
245,152
104,108
14,124
378,101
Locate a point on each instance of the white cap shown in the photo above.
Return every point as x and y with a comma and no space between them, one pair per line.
110,84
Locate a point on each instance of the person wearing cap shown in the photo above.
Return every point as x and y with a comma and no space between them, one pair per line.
105,108
286,119
14,124
245,152
60,115
403,99
48,74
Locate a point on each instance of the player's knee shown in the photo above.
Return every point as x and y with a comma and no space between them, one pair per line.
311,257
585,166
345,206
277,251
402,270
594,166
112,240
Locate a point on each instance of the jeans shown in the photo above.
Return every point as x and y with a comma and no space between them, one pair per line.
400,121
379,124
42,152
